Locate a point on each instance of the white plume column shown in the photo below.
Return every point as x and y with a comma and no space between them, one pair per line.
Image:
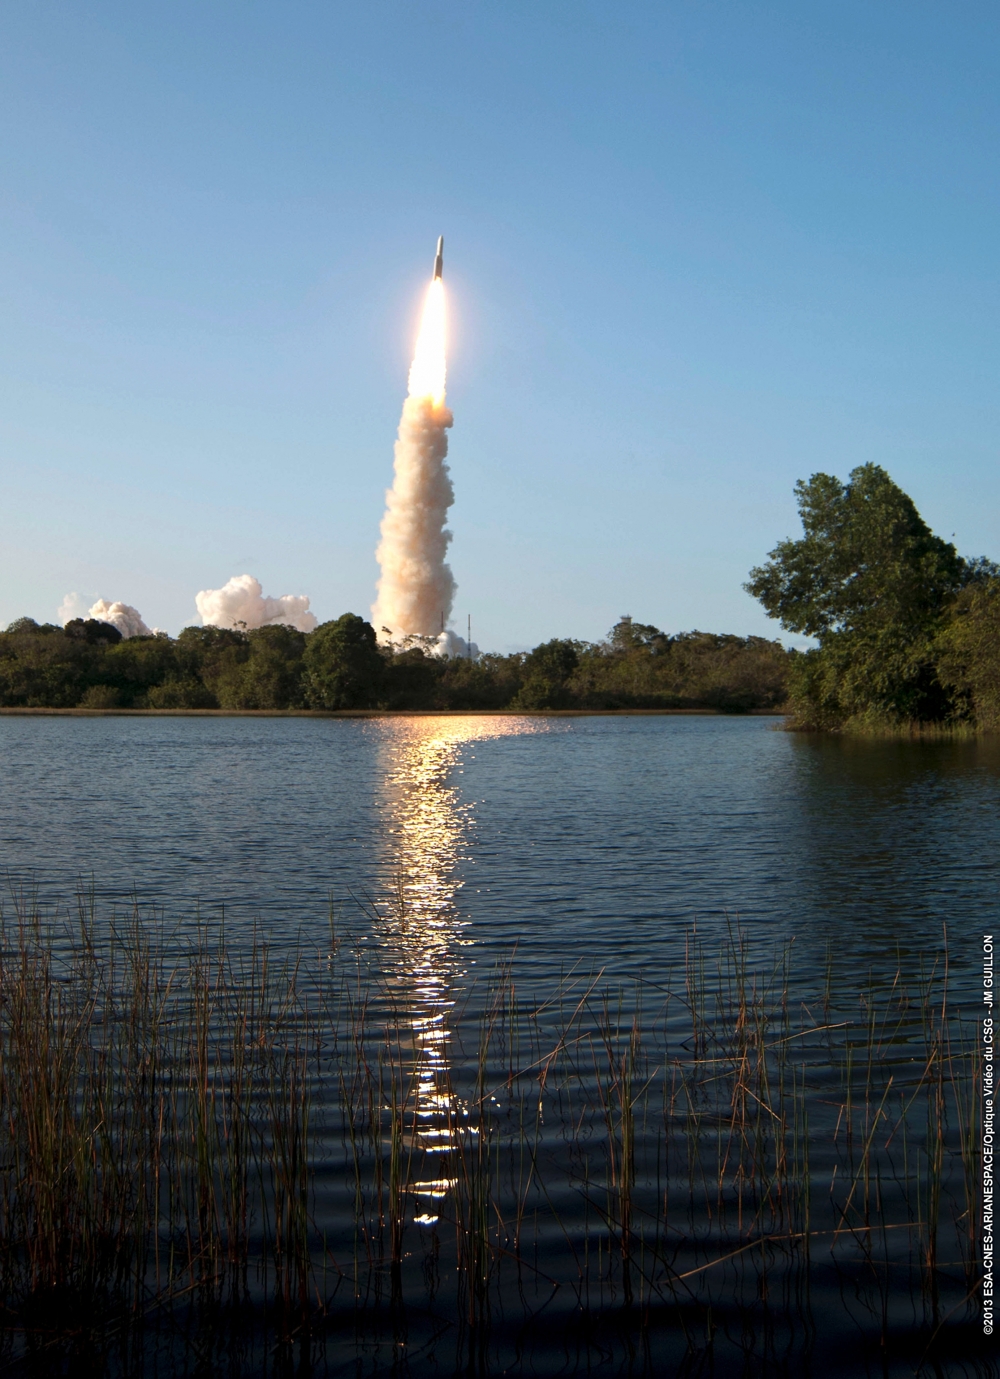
416,589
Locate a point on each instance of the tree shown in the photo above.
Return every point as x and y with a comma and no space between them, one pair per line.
133,669
93,631
968,653
185,693
267,673
491,681
344,668
213,656
40,667
871,582
547,670
411,678
628,636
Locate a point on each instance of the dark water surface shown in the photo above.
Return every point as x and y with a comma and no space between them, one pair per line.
596,839
769,1154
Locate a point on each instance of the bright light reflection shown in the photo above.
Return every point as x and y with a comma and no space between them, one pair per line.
428,833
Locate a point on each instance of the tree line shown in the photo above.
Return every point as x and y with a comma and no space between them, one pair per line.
906,631
87,664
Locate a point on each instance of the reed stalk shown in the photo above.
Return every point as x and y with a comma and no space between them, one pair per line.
171,1114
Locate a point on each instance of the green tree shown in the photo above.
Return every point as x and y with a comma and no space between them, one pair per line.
628,636
871,582
344,668
268,675
411,679
490,682
40,667
132,670
968,653
93,631
183,693
213,657
547,670
641,667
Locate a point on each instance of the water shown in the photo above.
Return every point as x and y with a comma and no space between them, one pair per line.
586,839
581,849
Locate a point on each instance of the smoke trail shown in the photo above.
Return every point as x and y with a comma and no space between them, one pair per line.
416,589
241,601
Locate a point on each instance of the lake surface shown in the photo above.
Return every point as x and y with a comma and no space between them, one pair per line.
586,850
589,840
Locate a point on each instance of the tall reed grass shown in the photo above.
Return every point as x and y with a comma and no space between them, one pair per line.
202,1127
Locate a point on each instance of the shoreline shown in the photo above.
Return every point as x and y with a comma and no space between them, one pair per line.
383,713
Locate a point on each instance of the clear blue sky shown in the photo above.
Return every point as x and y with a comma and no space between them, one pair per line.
695,251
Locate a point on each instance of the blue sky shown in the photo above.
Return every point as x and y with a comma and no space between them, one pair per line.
694,252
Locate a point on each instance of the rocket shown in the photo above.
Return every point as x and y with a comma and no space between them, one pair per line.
439,258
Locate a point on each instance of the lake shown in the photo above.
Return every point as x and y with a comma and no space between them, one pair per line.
602,837
675,862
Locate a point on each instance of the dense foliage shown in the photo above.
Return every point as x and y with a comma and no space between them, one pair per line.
908,631
340,666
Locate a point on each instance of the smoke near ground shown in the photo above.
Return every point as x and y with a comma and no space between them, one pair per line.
127,619
416,589
445,645
241,602
123,616
74,605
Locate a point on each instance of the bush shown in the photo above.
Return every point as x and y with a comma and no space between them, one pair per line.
101,697
181,694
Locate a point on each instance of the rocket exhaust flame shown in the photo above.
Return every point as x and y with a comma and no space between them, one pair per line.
427,372
416,589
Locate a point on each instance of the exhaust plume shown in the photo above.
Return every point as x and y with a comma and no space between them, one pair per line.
242,602
416,589
128,620
74,605
447,645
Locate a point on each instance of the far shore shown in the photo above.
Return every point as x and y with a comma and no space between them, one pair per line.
386,713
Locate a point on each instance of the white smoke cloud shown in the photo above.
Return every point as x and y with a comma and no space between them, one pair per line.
73,606
127,619
446,644
242,601
449,643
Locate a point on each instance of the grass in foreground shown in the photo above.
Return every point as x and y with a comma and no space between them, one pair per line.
207,1145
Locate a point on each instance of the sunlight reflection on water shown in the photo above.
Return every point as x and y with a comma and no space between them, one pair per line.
426,837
